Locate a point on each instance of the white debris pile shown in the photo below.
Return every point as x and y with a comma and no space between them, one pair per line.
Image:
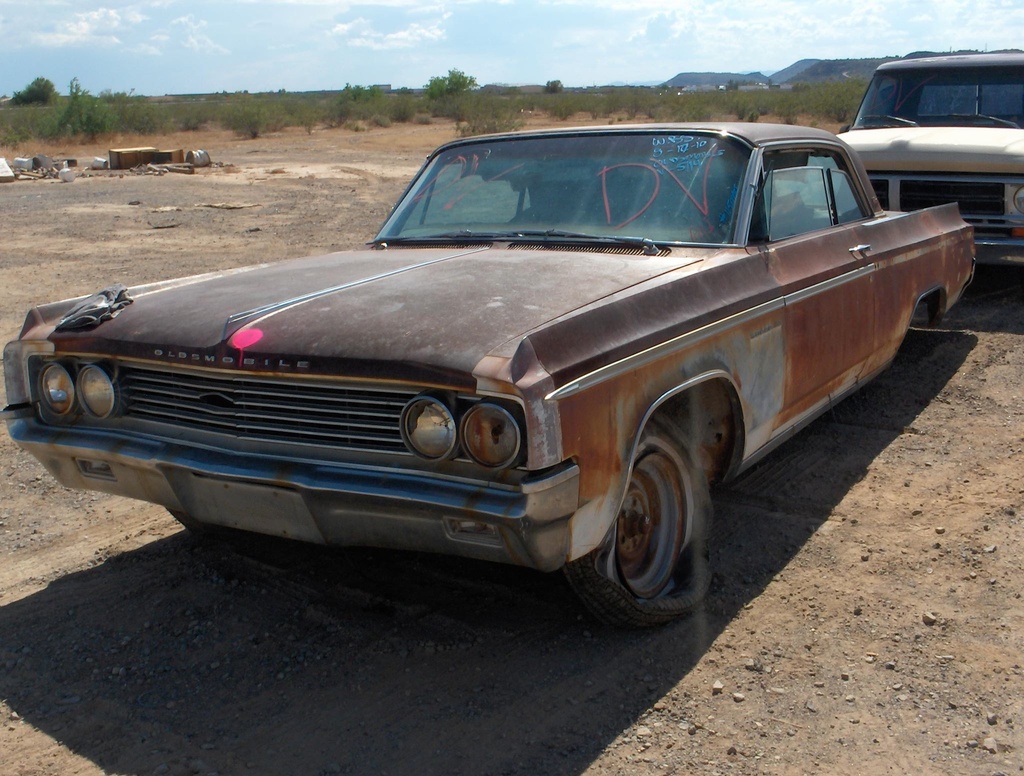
121,161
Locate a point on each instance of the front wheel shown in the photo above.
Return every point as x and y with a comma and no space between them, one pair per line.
654,565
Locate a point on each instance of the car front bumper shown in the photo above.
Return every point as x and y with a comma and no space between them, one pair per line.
325,503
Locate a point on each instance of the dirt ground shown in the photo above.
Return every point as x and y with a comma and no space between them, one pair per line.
866,615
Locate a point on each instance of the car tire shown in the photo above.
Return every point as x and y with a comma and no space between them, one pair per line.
654,565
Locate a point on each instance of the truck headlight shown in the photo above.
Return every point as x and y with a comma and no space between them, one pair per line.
1018,200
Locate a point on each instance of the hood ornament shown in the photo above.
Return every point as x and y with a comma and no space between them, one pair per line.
93,310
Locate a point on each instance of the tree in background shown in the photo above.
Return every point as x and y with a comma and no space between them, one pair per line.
451,85
553,87
82,114
40,92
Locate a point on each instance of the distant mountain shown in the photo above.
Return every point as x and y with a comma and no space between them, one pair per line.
802,71
713,80
791,72
822,70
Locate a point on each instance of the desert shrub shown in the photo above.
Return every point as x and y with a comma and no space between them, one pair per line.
131,114
246,117
358,103
484,117
80,113
563,106
404,108
451,85
40,92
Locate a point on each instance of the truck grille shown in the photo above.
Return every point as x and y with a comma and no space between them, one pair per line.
974,198
277,410
881,187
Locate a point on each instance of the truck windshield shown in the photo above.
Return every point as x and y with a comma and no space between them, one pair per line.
968,96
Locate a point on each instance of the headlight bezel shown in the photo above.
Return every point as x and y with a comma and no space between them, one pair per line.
1018,199
109,397
413,437
494,415
55,399
463,411
80,404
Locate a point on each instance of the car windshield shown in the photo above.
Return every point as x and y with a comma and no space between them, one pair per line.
628,186
968,96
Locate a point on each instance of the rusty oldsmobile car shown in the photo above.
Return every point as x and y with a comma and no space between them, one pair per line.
556,343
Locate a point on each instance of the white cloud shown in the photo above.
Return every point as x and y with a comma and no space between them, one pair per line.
92,28
362,33
195,38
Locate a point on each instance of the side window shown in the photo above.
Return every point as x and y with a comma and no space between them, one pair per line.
804,191
846,204
797,202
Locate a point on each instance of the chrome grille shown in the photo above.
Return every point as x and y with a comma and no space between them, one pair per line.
974,198
277,410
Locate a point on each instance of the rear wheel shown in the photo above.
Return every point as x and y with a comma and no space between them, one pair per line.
654,565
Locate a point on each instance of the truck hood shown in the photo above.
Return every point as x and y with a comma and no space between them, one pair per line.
940,149
398,313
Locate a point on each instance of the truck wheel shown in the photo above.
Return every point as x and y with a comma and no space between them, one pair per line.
654,566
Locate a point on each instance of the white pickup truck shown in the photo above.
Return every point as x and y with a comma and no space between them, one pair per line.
942,129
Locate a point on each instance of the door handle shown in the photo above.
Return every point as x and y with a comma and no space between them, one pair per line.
862,249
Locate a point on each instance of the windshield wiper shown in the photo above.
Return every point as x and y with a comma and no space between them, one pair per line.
973,118
648,245
886,121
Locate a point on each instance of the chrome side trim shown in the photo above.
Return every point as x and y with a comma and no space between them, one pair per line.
828,285
645,357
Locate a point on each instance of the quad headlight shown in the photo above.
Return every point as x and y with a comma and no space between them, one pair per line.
428,428
68,389
96,391
438,427
57,389
490,435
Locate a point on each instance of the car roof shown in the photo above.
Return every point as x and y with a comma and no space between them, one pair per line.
955,61
753,134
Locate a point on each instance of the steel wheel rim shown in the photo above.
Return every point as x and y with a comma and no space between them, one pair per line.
651,525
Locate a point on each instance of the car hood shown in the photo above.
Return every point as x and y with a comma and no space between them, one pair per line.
940,149
421,314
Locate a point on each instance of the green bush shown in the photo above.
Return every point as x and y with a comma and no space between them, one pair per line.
489,115
452,97
247,117
135,115
40,92
80,114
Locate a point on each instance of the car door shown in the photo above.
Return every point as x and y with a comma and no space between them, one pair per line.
810,216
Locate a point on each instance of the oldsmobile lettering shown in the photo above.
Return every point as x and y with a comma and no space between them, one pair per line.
213,360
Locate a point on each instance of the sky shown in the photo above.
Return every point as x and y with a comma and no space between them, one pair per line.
157,47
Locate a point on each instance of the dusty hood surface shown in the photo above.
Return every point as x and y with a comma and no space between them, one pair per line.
940,149
446,308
